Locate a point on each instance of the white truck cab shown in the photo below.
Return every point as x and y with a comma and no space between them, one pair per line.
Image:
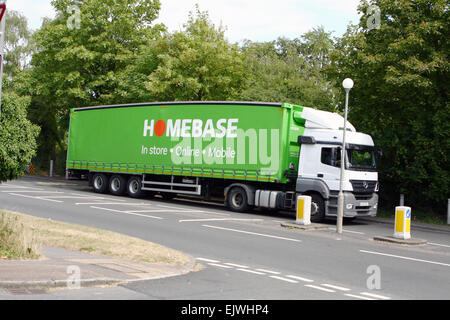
319,167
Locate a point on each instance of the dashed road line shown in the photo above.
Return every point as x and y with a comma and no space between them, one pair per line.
235,265
284,279
318,288
220,265
31,197
129,213
252,233
216,219
268,271
300,278
207,260
332,286
405,258
250,271
358,297
372,295
439,244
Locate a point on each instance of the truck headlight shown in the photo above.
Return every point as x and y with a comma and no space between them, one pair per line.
349,206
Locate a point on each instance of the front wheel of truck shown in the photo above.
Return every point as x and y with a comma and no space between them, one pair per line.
317,208
134,187
237,200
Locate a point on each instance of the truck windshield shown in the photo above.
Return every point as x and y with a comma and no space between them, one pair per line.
361,158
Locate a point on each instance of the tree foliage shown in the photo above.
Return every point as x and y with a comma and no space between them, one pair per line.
19,46
197,63
17,136
290,70
401,74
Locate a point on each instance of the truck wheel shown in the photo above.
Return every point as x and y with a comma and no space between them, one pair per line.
134,187
317,208
100,183
117,185
237,200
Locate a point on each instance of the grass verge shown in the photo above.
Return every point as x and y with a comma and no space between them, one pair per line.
74,237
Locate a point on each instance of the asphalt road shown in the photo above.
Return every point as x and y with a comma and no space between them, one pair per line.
245,256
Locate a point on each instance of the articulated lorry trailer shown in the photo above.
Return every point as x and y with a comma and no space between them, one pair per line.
252,155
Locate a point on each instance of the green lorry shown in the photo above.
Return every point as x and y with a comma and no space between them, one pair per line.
251,154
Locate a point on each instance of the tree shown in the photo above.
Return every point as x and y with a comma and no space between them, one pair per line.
290,70
80,55
17,136
401,74
18,43
197,63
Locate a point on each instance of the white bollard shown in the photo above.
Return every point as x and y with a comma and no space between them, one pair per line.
402,223
303,210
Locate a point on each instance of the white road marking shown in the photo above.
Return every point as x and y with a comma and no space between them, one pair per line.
68,197
318,288
268,271
332,286
220,265
16,186
124,212
300,278
374,295
31,197
358,297
250,271
120,203
438,244
216,219
182,208
349,231
406,258
155,210
115,198
31,191
252,233
207,260
236,265
284,279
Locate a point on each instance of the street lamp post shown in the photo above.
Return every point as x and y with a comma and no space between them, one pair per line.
347,84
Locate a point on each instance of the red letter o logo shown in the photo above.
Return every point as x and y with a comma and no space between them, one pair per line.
160,127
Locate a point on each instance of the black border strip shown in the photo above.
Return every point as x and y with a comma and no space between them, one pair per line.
148,104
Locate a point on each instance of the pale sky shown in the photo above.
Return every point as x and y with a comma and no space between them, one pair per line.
256,20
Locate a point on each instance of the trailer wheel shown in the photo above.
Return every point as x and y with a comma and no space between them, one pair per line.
237,200
117,185
134,187
100,183
317,208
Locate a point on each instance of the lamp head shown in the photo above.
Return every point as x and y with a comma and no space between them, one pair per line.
347,84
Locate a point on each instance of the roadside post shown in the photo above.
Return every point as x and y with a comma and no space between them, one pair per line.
2,42
303,210
402,223
448,211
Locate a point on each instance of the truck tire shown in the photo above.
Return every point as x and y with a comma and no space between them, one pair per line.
117,185
134,187
237,200
317,208
100,182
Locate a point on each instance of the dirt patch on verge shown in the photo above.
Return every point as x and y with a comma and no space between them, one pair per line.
99,242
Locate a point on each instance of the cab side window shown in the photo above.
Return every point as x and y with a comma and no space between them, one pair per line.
327,156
